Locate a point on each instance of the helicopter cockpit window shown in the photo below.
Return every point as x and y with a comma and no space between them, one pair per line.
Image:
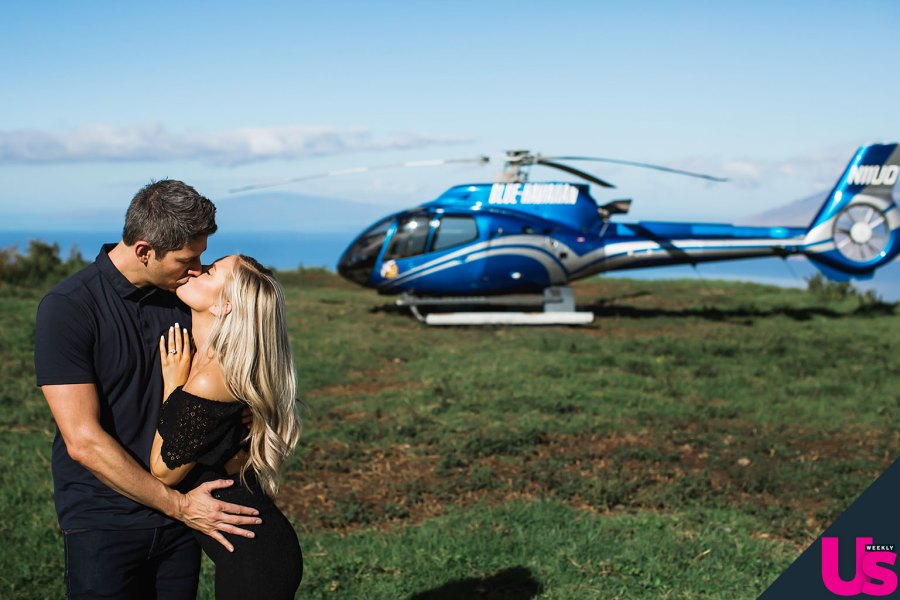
410,238
453,231
357,262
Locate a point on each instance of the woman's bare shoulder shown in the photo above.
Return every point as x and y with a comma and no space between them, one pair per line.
208,384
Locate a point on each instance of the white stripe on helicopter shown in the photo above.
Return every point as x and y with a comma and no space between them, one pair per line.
557,273
513,240
461,252
575,262
612,254
437,264
438,268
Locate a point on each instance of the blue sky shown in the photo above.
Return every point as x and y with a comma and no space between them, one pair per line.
98,98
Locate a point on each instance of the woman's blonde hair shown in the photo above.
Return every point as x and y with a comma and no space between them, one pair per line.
252,346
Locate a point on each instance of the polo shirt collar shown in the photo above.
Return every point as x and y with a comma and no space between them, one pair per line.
120,283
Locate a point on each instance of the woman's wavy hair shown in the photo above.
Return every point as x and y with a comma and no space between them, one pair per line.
252,346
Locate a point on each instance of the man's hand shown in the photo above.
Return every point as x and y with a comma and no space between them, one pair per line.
200,511
175,359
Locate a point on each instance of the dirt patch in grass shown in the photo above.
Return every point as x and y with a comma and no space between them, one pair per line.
342,487
766,473
388,376
367,387
611,329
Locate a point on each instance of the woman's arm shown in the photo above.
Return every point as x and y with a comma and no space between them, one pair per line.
159,469
176,366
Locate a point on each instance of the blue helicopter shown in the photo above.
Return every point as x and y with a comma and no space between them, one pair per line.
516,237
519,237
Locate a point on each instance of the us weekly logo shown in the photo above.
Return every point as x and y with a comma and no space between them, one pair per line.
856,557
874,574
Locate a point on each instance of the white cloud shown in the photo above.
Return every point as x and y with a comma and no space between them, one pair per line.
152,142
743,173
817,169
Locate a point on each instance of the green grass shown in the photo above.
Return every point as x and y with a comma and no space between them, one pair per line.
690,443
547,547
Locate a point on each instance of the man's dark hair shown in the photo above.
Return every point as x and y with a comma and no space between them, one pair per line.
168,215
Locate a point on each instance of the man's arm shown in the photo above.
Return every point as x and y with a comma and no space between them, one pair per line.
76,409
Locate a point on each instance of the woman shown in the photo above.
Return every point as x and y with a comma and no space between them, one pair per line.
243,359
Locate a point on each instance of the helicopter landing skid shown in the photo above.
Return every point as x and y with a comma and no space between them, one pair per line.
558,304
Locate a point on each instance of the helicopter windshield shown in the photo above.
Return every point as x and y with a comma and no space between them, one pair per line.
358,261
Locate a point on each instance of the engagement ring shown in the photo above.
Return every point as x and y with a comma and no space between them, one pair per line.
173,351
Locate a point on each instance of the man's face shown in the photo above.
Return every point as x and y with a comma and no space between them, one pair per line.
176,267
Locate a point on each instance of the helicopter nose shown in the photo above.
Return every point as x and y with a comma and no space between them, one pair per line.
355,267
358,261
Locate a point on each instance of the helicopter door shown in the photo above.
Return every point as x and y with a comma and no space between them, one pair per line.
422,255
454,250
407,245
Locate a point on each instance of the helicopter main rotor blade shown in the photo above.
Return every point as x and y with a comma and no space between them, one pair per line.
632,163
415,163
539,160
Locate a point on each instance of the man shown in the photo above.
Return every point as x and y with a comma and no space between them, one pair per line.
97,362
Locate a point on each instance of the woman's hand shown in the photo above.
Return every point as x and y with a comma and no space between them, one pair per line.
175,357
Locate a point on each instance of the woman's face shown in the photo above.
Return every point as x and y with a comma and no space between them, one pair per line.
202,292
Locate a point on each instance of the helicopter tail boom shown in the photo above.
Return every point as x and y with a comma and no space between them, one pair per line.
857,229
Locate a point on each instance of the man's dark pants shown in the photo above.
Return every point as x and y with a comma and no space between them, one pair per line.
161,563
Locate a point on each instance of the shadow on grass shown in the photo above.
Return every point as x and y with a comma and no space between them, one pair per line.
515,583
877,309
390,309
601,309
609,308
498,304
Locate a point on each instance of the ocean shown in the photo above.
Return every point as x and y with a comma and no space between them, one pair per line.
289,250
282,250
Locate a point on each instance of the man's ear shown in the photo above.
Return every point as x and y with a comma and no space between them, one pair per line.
142,251
220,309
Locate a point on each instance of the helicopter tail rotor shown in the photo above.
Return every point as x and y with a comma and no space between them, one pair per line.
857,229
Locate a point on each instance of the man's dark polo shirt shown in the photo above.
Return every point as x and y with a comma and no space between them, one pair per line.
96,327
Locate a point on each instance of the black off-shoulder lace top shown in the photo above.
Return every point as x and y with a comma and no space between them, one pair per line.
195,429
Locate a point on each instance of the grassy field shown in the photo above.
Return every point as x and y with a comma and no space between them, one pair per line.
688,444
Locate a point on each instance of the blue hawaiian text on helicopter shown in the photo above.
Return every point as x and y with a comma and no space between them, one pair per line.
873,175
533,193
